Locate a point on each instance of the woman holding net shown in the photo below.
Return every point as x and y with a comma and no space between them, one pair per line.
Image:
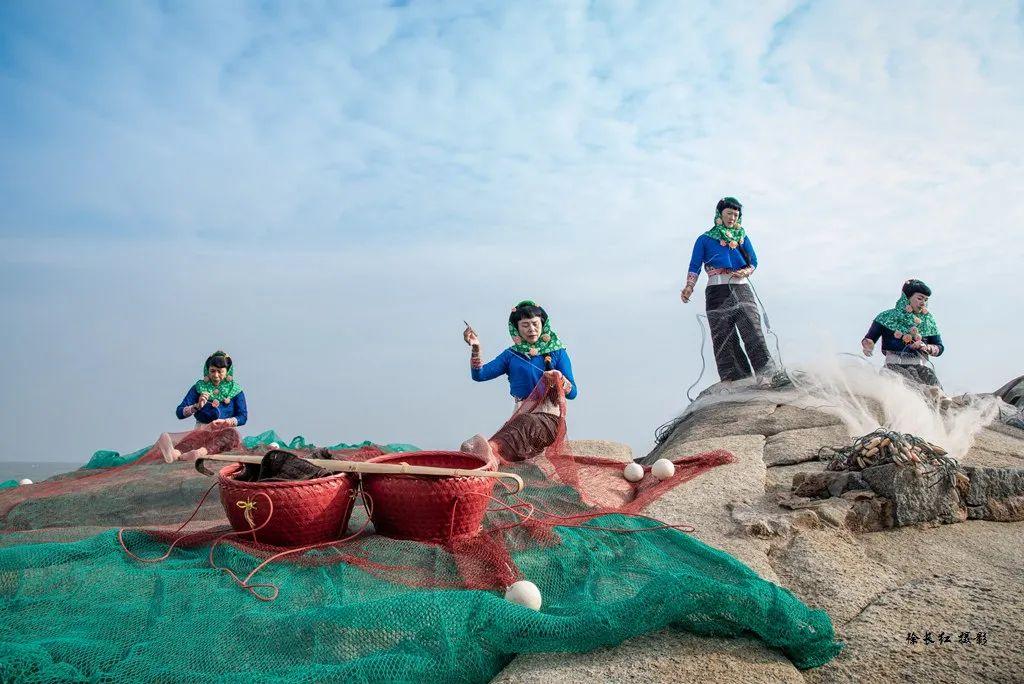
218,405
536,355
909,334
728,256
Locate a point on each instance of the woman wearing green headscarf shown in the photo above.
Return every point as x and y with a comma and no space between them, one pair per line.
218,405
536,355
909,335
726,253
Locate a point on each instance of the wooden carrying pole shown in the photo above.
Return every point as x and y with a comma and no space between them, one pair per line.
377,468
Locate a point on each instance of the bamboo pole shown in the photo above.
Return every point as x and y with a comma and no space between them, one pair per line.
377,468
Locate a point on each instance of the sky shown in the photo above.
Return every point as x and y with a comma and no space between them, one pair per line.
327,190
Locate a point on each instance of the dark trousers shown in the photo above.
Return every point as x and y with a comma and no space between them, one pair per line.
922,375
732,314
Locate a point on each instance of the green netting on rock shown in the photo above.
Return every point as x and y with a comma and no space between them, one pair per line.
299,442
82,611
77,606
113,459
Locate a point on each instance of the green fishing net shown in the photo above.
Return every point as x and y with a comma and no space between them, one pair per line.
76,608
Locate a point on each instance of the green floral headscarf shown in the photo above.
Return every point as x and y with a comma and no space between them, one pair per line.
901,319
728,237
545,344
223,393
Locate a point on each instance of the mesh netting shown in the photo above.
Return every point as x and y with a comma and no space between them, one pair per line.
371,608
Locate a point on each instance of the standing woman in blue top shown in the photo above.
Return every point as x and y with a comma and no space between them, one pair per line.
728,256
215,401
536,353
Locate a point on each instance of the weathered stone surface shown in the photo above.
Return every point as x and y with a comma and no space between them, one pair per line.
827,483
602,448
988,484
916,498
764,525
667,657
996,446
753,417
829,569
1010,509
781,477
803,444
703,502
948,578
869,511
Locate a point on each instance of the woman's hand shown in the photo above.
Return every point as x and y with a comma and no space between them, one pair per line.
469,335
203,398
868,346
686,293
930,349
553,377
224,422
743,272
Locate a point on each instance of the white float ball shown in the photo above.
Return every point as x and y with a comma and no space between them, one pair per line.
274,445
663,469
524,593
634,472
26,481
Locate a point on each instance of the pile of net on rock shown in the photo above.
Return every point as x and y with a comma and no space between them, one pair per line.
77,607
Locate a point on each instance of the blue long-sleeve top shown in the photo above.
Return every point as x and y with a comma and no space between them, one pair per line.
524,372
710,252
890,343
235,408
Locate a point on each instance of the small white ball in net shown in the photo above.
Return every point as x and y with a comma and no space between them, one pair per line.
524,593
634,472
663,469
26,481
274,445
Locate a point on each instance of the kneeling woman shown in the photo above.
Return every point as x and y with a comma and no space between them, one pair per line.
728,256
909,335
535,354
217,403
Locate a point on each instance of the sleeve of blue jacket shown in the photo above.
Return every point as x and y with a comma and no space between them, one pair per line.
875,331
492,369
697,258
565,367
241,410
748,248
190,398
937,341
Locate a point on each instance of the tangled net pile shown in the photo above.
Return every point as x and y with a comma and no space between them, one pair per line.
886,446
77,608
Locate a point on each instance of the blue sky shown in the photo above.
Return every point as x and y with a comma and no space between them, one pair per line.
327,190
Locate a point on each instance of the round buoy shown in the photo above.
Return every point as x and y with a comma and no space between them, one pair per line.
663,469
274,445
525,593
634,472
26,481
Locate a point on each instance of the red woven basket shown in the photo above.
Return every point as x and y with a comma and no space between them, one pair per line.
305,511
433,509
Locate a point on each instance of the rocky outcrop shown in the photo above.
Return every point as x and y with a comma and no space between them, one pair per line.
832,539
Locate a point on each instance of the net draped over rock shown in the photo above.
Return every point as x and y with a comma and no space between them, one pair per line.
76,608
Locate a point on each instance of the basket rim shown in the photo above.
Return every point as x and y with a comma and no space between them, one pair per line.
225,473
485,465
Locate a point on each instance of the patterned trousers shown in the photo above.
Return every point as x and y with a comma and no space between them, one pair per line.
732,314
922,375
